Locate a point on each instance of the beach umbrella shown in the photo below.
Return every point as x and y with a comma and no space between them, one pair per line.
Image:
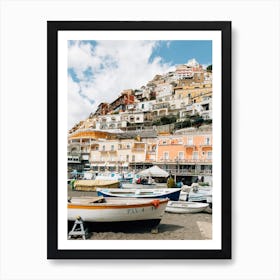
154,171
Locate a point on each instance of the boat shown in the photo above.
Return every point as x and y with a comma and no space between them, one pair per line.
200,196
116,210
172,194
196,195
185,207
91,185
121,177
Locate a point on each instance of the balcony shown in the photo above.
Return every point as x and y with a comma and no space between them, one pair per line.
189,172
206,145
137,149
184,161
106,150
189,145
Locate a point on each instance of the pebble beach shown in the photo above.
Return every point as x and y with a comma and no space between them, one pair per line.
172,227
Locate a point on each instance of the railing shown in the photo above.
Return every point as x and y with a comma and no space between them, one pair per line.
176,161
108,150
205,145
186,172
138,149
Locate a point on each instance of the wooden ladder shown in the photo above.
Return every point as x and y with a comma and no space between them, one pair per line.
78,229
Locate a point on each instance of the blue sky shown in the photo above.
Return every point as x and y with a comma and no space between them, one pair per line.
99,70
179,52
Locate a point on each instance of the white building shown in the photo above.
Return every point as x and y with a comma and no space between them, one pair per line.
145,106
163,90
109,122
204,109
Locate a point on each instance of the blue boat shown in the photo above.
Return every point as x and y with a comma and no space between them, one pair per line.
171,193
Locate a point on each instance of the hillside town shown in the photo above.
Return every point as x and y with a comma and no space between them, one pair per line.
167,123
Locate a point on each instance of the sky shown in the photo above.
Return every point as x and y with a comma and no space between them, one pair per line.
98,71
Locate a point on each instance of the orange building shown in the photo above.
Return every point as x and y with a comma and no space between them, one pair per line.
187,153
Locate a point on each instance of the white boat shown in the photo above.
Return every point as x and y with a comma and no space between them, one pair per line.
140,186
171,193
101,210
122,177
185,207
196,195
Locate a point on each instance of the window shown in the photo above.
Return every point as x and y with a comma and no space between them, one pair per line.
181,155
142,106
103,148
190,140
209,155
207,140
166,155
112,147
127,157
133,158
195,155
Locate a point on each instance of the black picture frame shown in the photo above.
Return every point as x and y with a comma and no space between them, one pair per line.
53,27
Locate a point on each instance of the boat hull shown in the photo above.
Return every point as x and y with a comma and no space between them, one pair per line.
171,194
118,210
141,186
91,185
184,207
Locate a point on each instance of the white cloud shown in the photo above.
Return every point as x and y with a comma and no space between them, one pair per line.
77,106
116,65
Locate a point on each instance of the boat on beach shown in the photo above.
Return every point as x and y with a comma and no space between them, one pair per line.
121,177
185,207
199,194
114,210
125,185
91,185
172,194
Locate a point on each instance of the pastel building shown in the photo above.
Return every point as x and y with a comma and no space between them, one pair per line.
80,144
124,151
187,153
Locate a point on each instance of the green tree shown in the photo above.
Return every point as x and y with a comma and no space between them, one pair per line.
209,68
168,119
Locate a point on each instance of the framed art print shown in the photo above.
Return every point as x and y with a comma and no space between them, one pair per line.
139,140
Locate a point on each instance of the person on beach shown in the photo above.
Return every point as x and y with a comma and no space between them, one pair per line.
180,184
170,182
195,185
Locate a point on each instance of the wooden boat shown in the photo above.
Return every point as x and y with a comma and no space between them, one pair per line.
172,194
91,185
110,210
185,207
